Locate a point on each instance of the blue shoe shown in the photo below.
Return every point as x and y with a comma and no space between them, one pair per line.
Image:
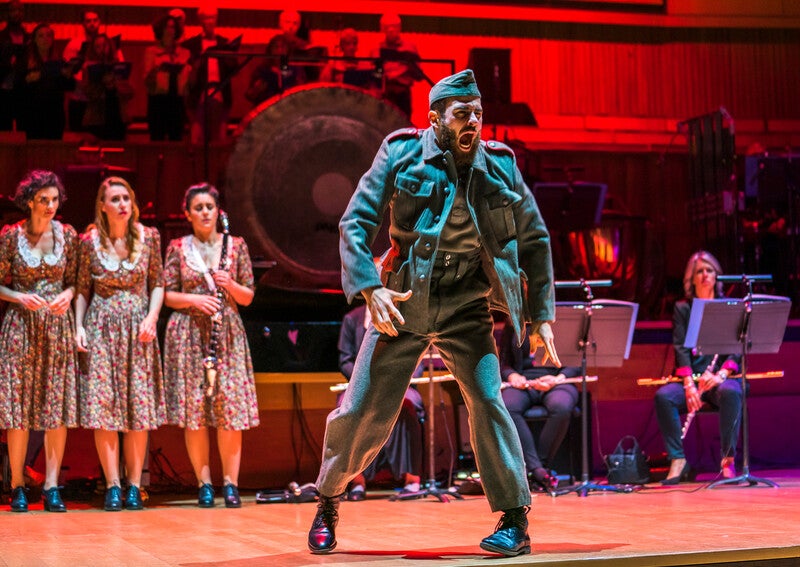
19,500
205,497
510,538
133,498
113,502
52,500
231,495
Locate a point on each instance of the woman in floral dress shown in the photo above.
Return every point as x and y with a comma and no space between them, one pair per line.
120,291
192,277
38,366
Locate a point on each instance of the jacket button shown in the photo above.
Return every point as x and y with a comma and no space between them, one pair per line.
447,191
422,276
436,218
427,246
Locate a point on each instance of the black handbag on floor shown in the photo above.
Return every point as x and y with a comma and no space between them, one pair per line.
628,463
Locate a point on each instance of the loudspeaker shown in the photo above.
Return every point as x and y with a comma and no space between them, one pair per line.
492,68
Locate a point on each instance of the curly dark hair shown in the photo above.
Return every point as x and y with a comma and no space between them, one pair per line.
198,189
34,182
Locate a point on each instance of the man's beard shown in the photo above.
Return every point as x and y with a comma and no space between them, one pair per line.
449,141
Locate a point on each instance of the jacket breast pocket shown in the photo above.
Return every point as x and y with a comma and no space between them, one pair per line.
412,195
501,214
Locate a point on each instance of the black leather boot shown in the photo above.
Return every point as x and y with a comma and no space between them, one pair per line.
510,537
322,536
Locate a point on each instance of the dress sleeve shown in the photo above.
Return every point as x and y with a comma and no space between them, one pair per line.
155,270
7,248
85,252
244,266
172,267
71,244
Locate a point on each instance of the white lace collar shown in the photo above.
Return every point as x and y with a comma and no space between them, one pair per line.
195,261
26,250
111,263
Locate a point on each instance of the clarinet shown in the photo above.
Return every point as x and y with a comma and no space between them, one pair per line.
210,361
690,415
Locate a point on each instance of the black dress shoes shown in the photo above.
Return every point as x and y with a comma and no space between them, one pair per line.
205,496
19,499
133,498
231,495
52,500
322,536
510,537
113,501
687,474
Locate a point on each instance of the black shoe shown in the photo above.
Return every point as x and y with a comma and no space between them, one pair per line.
357,494
510,537
52,500
541,480
133,498
205,496
113,501
19,499
687,474
322,536
231,495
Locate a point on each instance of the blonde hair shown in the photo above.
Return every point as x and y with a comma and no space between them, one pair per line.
101,220
691,266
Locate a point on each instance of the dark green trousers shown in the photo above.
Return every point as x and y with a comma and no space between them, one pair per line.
460,326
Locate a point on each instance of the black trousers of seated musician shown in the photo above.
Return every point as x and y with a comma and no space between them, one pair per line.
671,403
560,400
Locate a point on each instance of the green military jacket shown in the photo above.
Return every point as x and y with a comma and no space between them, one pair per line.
412,175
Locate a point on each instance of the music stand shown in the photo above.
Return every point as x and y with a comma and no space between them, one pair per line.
754,324
432,489
607,326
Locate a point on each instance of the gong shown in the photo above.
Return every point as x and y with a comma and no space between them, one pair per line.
295,165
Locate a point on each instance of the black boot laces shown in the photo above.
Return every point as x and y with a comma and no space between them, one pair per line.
516,518
327,512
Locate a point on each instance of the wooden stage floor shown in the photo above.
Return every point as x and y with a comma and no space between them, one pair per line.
687,525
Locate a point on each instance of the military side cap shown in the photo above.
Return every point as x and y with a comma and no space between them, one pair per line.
460,84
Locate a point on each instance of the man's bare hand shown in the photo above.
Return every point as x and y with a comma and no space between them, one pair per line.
542,336
381,303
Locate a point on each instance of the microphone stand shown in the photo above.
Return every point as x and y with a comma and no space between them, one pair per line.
432,489
745,341
582,488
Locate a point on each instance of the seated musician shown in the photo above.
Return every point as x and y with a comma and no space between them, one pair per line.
530,385
402,453
349,70
713,385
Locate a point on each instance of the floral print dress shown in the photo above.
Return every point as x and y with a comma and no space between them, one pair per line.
234,405
121,389
38,360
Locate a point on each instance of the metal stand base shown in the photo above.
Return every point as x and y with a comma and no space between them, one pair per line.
583,488
432,490
744,477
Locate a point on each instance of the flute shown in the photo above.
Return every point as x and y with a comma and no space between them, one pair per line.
691,414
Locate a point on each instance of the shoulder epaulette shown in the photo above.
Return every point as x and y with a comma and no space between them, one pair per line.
403,133
498,147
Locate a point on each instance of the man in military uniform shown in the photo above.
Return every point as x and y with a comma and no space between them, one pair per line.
466,235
